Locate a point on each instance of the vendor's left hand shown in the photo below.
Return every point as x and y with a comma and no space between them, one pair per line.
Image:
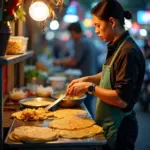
78,88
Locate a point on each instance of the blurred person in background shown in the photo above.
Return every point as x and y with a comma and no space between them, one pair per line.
60,50
84,58
85,53
145,96
118,86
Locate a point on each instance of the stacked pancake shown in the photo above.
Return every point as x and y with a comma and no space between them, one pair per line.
76,127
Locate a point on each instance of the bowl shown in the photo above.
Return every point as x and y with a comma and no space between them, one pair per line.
57,82
36,102
17,94
70,102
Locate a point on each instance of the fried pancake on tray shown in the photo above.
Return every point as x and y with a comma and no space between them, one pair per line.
13,138
17,115
32,114
34,134
70,112
81,133
71,123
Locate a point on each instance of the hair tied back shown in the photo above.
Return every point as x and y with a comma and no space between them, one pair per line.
127,14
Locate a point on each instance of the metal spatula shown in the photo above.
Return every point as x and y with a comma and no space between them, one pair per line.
56,102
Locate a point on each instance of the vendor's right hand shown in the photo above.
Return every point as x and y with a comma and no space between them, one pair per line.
78,88
74,81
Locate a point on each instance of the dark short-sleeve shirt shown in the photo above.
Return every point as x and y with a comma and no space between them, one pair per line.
127,71
86,56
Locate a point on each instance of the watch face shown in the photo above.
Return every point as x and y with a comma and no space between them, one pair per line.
91,88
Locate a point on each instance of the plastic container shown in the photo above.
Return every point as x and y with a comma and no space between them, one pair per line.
25,43
17,45
57,82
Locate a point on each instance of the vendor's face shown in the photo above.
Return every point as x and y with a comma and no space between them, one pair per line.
103,29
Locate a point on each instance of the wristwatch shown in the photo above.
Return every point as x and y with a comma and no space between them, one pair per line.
91,88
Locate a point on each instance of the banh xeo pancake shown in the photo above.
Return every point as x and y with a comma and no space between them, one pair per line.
13,138
81,133
32,114
70,112
71,123
32,133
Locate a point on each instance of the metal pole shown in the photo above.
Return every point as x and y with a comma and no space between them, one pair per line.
1,108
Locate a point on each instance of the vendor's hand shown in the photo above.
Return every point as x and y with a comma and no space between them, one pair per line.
78,88
76,81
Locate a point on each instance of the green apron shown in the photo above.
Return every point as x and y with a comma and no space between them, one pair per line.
108,116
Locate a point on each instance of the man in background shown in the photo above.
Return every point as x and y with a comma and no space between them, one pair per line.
85,53
84,58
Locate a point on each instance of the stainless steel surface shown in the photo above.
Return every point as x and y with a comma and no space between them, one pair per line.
94,141
56,102
38,99
69,103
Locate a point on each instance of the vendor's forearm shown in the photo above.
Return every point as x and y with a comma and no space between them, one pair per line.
110,97
94,79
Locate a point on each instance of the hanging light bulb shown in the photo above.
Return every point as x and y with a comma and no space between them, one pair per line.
39,11
54,25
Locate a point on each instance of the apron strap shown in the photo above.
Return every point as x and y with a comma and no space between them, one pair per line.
118,50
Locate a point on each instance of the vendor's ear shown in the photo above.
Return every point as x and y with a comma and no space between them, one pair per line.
112,21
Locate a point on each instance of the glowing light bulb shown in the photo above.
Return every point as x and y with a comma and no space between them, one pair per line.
39,11
54,25
143,32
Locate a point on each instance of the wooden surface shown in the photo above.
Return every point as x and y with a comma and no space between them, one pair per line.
21,73
94,141
6,60
8,110
10,77
12,59
7,121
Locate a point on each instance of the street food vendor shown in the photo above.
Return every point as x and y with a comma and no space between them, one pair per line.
118,86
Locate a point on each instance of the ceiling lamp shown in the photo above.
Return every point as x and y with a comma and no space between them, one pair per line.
72,13
39,11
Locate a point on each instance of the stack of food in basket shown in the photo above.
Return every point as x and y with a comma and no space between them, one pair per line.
17,45
66,123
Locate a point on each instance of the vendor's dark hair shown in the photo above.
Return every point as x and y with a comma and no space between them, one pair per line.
111,8
75,27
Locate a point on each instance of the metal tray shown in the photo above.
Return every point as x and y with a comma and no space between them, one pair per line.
96,141
37,100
